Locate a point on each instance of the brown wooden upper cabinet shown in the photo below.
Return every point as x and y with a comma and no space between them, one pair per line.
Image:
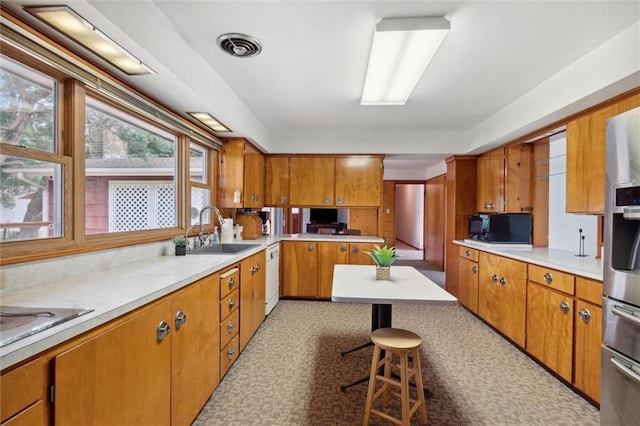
504,180
242,169
340,181
277,181
586,152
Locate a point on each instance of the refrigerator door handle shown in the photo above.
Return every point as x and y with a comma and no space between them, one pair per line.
625,369
626,314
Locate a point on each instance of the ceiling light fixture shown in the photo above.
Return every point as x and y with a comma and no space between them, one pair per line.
72,25
402,49
209,121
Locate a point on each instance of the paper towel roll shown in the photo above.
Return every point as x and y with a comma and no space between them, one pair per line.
226,232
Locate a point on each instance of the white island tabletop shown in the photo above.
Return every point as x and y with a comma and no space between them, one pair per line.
358,284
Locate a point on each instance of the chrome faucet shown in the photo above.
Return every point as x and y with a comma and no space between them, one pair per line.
201,237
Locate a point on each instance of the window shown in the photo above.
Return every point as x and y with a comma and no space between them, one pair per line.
130,169
200,182
32,172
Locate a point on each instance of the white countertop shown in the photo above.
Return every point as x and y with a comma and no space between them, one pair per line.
588,267
358,284
115,291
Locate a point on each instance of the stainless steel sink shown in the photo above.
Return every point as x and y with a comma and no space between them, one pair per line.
18,322
224,248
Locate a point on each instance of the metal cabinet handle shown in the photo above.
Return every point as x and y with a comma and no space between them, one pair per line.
467,253
564,306
311,247
255,268
625,368
343,249
503,280
163,330
494,278
231,303
627,314
548,278
231,283
355,250
340,200
181,318
231,353
283,199
230,326
327,200
474,269
584,314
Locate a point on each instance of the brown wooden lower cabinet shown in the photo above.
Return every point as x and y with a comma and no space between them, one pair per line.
468,274
502,295
22,391
308,265
252,295
587,337
133,373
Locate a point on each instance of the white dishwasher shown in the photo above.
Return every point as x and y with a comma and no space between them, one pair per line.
272,279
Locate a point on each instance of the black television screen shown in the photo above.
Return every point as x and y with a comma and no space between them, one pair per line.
323,215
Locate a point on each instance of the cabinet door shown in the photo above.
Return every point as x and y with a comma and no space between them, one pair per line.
468,284
254,172
122,376
358,181
187,360
22,387
209,320
588,331
277,181
329,255
357,255
312,181
550,328
231,173
513,299
518,182
300,268
252,295
490,189
488,288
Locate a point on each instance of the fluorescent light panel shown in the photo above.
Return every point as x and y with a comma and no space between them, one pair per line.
209,121
402,49
72,25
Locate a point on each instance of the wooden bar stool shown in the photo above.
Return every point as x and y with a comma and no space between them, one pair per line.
395,341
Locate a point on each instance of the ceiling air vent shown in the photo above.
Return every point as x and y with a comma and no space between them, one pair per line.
239,45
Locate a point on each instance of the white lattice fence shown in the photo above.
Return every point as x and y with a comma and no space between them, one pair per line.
136,206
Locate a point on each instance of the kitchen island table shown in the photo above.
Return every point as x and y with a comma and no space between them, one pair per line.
358,284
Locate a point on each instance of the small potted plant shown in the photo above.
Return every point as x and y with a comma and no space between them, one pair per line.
181,242
383,258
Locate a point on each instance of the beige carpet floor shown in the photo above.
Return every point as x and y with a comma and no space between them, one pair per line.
291,371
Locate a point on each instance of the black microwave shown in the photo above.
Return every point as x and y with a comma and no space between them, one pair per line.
501,228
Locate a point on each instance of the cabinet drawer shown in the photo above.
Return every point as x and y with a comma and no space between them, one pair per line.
229,327
589,290
469,253
230,303
229,281
560,281
21,387
34,415
228,355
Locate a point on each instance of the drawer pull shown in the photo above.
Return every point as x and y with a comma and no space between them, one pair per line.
343,249
494,278
564,306
627,314
548,278
283,199
355,250
467,253
230,326
181,318
625,368
163,330
585,314
231,303
231,283
474,269
231,353
503,280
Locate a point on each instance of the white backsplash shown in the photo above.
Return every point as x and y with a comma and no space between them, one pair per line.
30,274
564,227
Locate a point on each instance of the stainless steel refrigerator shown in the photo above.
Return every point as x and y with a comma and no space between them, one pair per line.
620,386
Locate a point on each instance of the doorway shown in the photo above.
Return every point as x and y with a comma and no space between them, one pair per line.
409,219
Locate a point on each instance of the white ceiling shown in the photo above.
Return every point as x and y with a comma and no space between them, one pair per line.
505,69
